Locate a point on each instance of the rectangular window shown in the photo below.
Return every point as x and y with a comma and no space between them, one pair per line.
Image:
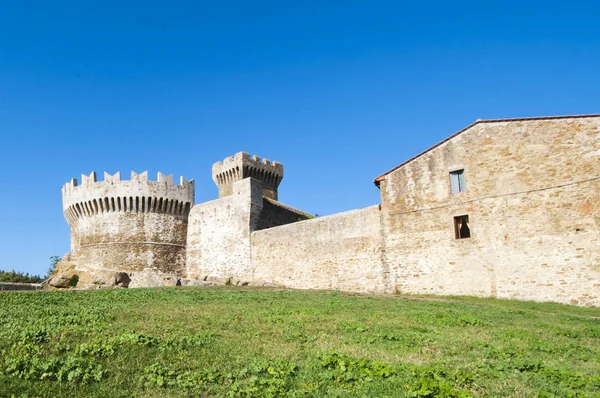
457,181
462,229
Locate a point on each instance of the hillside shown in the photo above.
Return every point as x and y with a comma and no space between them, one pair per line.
226,341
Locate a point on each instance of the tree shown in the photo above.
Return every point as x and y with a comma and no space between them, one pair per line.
54,260
18,277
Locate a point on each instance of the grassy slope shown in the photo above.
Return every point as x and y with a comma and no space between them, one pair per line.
240,342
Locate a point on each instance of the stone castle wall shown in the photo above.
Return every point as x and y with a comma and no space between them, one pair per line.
135,226
274,214
531,193
532,197
342,251
218,243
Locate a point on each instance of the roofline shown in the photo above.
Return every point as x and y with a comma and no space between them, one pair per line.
378,180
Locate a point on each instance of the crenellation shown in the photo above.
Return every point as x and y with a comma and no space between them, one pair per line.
241,166
69,186
116,178
137,195
531,228
87,180
166,179
142,177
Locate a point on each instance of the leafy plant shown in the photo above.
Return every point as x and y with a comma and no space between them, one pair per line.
54,260
227,341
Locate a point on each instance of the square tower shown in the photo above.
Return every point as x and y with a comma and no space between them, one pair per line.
242,165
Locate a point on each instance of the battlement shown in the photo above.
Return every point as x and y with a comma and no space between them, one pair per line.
137,195
242,165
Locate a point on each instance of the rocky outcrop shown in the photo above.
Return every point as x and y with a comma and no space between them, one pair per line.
64,276
68,275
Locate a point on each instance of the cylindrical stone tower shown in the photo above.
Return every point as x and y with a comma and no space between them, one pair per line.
128,226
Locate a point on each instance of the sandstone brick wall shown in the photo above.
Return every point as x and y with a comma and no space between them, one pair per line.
135,226
533,201
532,198
218,241
342,251
130,242
241,166
274,214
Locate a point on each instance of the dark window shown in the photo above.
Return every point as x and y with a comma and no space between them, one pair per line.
462,229
457,181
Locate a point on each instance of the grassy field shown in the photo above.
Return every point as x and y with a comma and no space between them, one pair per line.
238,342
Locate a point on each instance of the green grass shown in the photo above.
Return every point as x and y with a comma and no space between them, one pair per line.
238,342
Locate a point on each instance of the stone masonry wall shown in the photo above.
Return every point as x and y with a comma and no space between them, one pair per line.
218,240
532,198
135,226
533,201
242,165
130,242
9,286
274,214
342,251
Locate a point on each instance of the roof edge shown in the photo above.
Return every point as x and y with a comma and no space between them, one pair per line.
380,178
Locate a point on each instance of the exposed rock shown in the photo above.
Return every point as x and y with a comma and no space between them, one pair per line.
170,281
85,278
265,284
62,275
261,284
192,282
221,280
103,278
122,279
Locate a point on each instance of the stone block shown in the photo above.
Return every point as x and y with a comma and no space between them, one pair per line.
220,280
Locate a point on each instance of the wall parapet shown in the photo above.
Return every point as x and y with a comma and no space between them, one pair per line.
137,195
242,165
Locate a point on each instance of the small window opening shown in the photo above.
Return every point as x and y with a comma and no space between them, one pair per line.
462,229
457,181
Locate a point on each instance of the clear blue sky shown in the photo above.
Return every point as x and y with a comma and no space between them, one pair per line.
338,91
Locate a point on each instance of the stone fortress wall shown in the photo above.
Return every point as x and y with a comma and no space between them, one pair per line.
135,226
342,252
529,196
533,201
218,240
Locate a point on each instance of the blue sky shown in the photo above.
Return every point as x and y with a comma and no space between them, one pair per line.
338,91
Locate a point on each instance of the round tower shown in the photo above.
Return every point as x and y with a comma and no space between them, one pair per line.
128,226
240,166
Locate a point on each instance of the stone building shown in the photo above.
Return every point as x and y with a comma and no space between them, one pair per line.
503,208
